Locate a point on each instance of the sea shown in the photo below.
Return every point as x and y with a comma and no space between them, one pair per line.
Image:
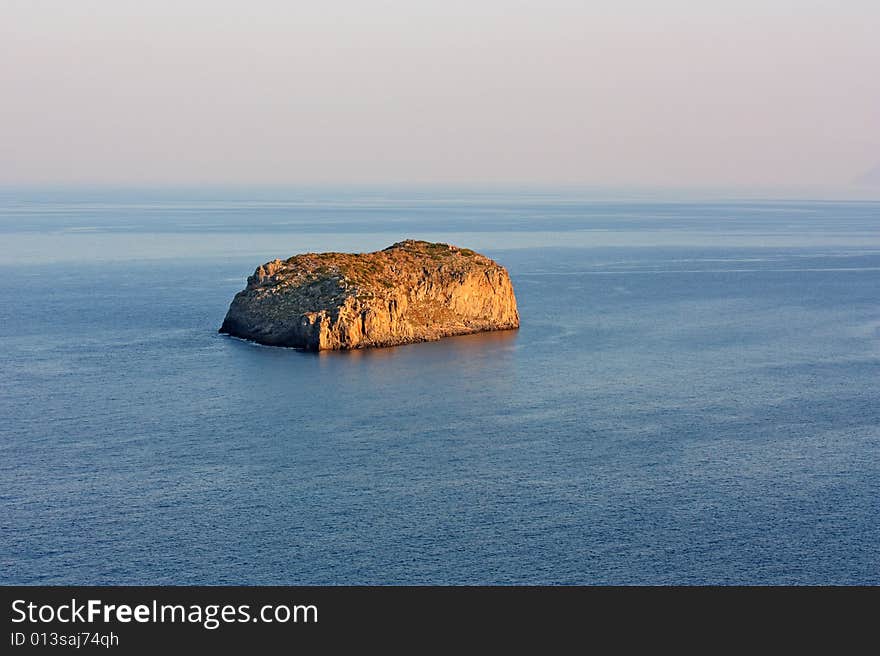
692,397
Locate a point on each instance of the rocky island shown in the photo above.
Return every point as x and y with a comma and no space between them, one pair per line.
413,291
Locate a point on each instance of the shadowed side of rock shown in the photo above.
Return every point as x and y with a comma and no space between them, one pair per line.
412,291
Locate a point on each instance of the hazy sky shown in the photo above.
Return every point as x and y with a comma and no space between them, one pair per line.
767,93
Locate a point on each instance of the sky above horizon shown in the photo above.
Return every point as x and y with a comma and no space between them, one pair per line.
624,93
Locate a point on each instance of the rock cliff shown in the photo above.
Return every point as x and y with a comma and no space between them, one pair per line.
413,291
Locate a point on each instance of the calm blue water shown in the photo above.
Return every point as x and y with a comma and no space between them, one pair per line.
692,397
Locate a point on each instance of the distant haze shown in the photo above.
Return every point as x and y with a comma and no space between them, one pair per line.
771,94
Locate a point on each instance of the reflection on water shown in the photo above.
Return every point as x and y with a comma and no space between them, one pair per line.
476,346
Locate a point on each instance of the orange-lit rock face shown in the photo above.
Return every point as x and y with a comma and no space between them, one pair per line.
413,291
